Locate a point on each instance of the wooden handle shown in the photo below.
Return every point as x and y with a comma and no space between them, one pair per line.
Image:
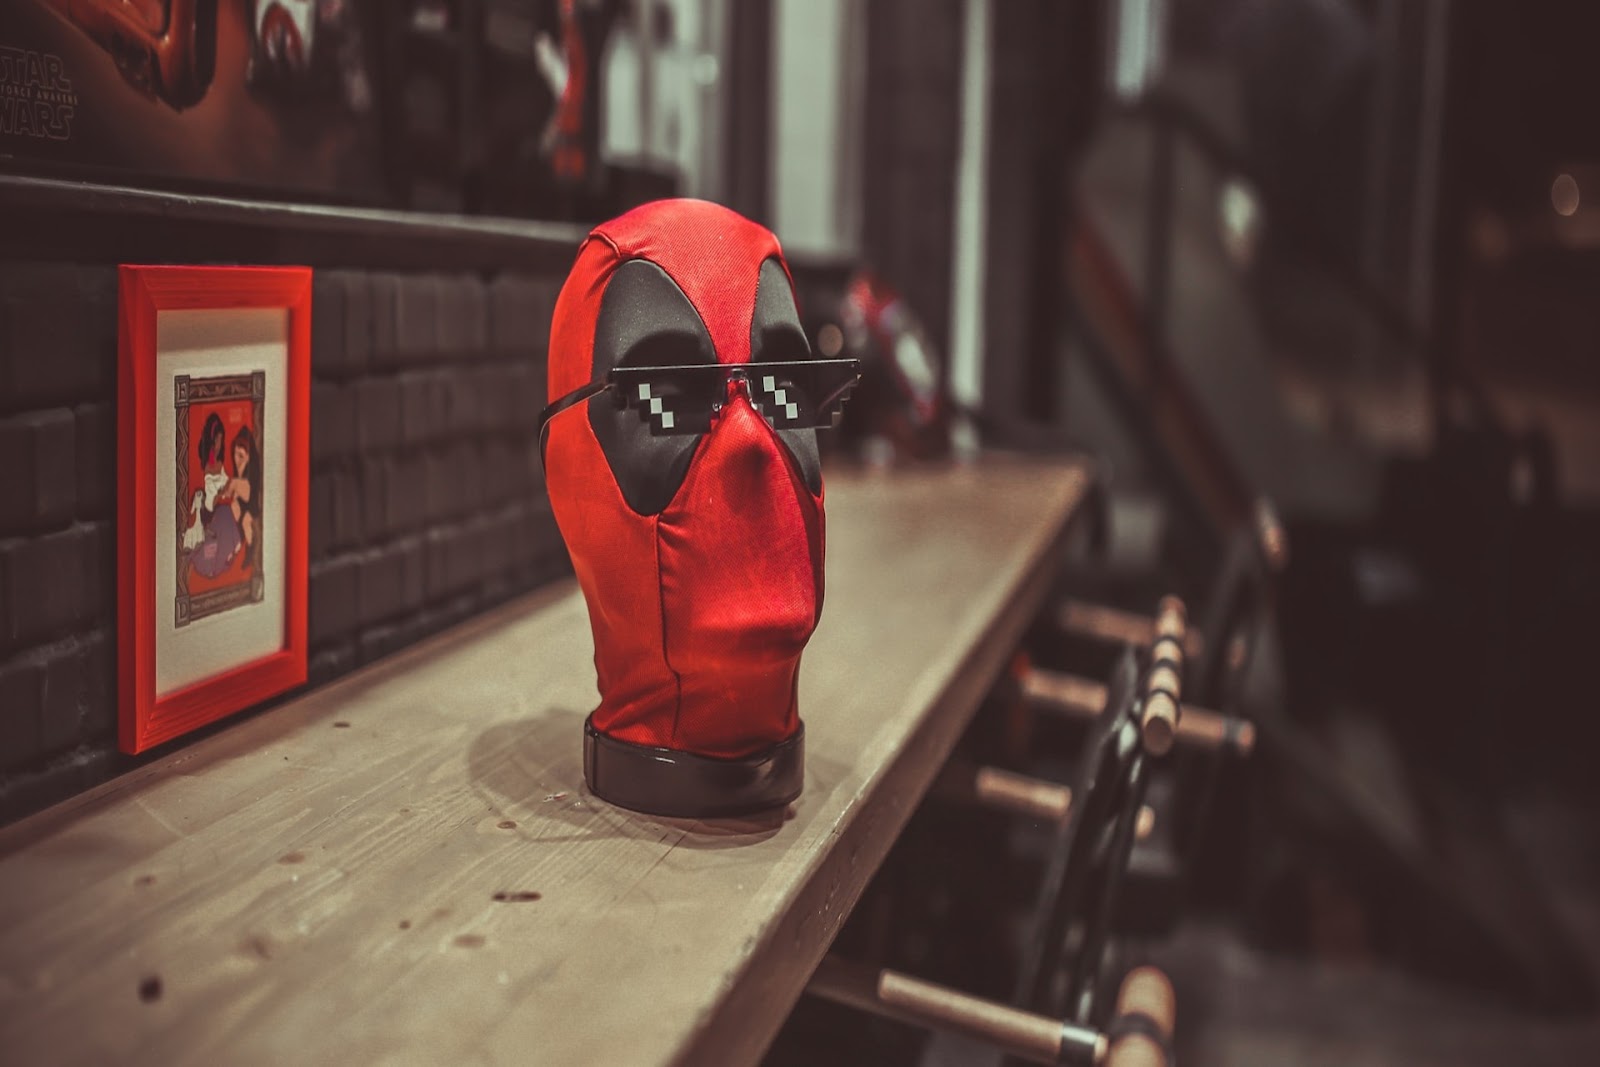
1146,992
1020,794
1116,626
1158,723
1038,1038
1135,1050
1082,698
1171,618
1271,536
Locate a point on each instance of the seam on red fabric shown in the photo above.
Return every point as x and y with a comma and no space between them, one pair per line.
661,604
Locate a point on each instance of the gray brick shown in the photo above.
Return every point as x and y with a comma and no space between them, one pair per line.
417,318
378,413
467,461
520,307
380,641
455,610
58,779
408,493
493,390
319,518
53,583
480,541
443,569
359,323
328,349
384,298
97,460
524,387
100,575
335,520
427,400
506,477
348,523
65,689
442,486
58,334
539,539
391,580
373,492
500,544
334,421
100,687
459,557
463,324
21,697
324,665
38,470
334,599
61,706
473,297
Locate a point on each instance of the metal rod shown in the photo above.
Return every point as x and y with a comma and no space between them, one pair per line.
890,994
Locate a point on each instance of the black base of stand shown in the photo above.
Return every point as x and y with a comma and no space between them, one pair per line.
664,781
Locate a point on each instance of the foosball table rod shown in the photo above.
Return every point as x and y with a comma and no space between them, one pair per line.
1019,794
1115,626
1140,1034
1083,698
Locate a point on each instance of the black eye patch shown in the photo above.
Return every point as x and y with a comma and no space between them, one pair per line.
777,336
645,320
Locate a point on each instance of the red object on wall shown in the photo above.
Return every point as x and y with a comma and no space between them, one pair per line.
231,533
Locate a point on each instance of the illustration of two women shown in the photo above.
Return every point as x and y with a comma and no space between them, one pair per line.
225,513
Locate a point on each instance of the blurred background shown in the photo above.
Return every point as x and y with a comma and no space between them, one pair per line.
1334,259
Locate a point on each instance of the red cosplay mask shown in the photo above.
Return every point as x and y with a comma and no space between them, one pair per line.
682,466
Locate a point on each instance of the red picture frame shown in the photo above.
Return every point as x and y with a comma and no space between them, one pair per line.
211,593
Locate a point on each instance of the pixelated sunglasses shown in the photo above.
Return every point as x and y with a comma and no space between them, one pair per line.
790,395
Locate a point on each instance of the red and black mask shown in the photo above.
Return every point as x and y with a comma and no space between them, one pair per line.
681,461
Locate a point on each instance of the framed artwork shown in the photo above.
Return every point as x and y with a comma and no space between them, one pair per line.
213,395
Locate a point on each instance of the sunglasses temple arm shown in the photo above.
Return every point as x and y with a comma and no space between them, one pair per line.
572,399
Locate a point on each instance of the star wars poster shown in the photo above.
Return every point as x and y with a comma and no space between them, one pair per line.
227,95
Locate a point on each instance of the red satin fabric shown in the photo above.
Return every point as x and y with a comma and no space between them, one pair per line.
699,614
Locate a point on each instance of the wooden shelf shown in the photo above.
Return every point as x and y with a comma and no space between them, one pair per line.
404,865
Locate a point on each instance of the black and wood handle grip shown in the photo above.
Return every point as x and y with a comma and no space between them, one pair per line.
1084,698
1163,689
1140,1034
892,995
1019,794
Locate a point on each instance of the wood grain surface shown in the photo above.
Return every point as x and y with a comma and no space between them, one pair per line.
404,866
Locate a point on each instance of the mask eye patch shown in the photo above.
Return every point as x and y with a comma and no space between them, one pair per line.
646,320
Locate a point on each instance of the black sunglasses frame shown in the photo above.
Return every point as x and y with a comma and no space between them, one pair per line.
679,400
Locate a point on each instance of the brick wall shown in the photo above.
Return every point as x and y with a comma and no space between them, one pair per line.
426,507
